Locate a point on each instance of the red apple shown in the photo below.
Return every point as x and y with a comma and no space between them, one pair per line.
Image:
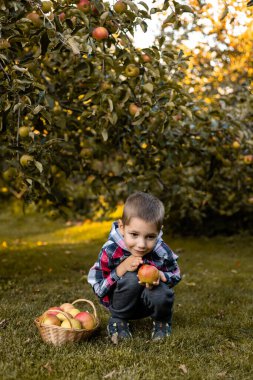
84,5
146,58
148,274
35,18
120,6
50,320
62,16
52,311
87,320
100,33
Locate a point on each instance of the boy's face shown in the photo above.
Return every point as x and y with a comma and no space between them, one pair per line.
139,236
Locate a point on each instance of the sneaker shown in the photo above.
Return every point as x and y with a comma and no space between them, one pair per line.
118,329
160,330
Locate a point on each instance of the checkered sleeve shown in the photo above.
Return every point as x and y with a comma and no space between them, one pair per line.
170,268
100,276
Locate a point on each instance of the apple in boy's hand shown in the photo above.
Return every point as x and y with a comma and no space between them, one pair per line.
50,320
71,324
67,306
148,274
74,312
87,320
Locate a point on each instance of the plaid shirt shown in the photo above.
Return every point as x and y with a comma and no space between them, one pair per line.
103,277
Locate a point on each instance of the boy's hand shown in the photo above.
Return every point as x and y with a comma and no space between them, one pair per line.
155,283
132,263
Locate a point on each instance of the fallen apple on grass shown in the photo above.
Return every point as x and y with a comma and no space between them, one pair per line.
148,274
86,319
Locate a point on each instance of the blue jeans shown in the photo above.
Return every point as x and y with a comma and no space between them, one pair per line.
130,300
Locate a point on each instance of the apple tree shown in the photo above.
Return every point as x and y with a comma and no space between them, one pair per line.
86,117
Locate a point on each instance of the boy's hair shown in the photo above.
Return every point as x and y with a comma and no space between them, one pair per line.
144,206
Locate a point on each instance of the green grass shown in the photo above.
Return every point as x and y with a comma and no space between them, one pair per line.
45,263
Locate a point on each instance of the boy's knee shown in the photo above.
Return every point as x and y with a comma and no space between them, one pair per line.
129,280
160,295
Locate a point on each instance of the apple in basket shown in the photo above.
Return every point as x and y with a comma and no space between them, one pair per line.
71,324
67,306
74,312
87,320
50,320
62,317
53,310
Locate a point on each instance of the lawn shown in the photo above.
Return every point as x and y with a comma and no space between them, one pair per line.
44,263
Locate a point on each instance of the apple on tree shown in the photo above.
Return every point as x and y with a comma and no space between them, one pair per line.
35,19
120,7
26,160
100,33
134,110
84,6
132,70
46,6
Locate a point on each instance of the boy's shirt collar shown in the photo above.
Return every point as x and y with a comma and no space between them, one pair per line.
116,237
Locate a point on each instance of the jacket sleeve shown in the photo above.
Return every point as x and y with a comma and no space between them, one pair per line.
171,270
100,276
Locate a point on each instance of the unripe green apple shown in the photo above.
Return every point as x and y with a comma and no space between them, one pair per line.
26,160
9,174
46,6
4,44
132,70
23,131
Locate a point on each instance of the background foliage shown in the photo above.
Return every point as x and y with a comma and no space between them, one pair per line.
65,101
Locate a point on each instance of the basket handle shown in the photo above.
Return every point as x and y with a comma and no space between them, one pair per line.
65,315
89,302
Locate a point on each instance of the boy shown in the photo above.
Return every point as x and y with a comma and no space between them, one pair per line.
136,239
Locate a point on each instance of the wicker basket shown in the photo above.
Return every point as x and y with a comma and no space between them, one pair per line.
58,335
